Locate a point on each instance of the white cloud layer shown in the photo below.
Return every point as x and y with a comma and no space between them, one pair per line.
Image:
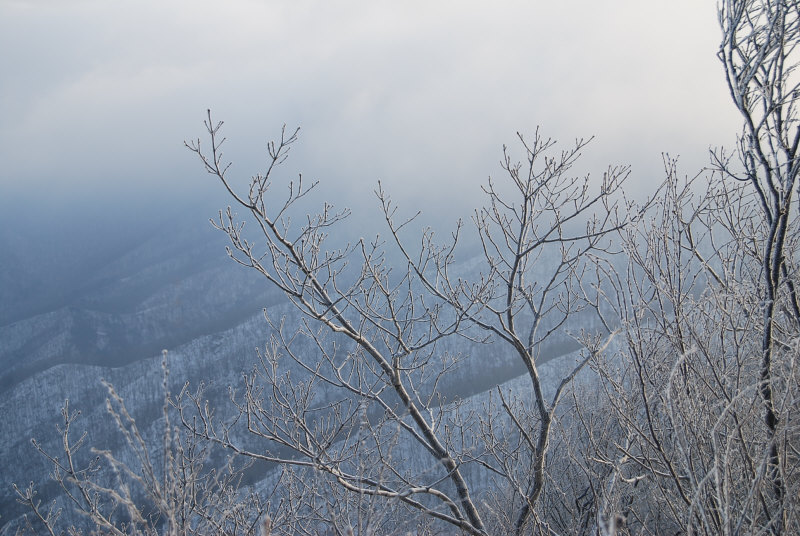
99,94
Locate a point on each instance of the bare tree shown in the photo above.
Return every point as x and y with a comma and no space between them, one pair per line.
155,489
692,451
760,55
760,58
705,388
395,321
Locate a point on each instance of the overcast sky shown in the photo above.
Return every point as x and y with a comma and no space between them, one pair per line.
96,97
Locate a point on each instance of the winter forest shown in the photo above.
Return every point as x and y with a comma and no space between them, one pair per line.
570,358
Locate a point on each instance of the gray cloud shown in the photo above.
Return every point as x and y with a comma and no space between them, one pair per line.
98,96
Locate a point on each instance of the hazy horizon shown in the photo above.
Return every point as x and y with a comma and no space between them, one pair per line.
98,98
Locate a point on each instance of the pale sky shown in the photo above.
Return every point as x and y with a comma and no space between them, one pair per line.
96,97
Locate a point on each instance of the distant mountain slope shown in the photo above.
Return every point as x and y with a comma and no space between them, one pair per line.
73,314
170,286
